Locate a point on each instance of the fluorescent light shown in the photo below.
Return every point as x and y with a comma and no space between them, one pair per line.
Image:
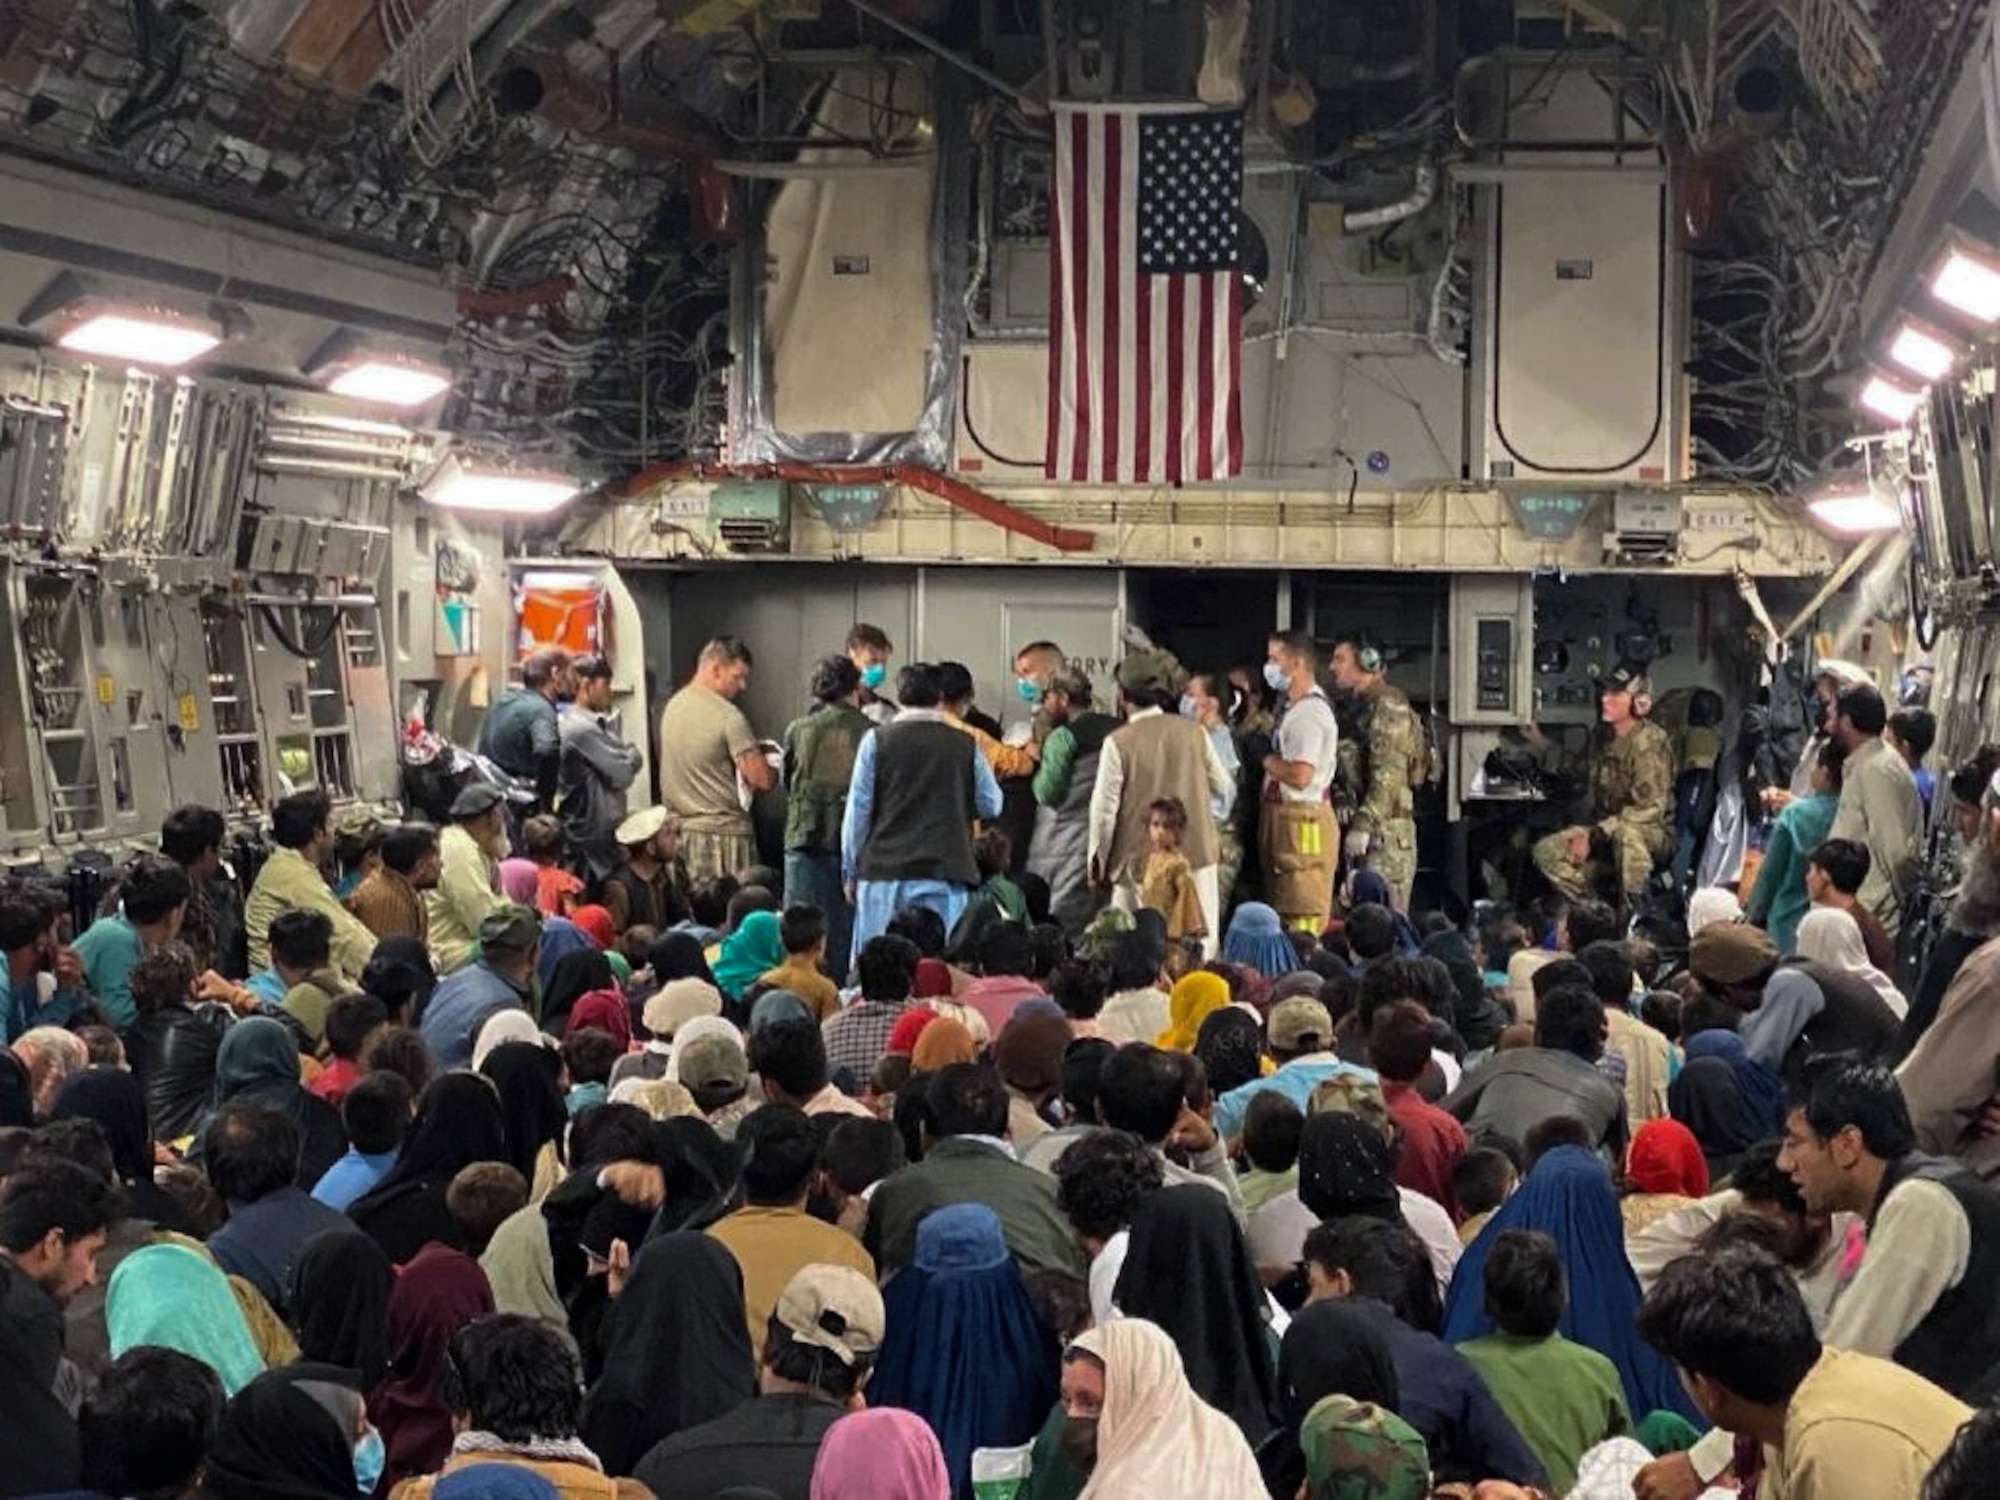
1968,283
391,382
558,583
1890,401
1921,352
1856,512
140,338
497,491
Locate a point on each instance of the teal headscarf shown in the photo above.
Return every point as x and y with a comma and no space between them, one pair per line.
257,1055
175,1297
752,950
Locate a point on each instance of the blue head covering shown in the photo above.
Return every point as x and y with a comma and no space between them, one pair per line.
494,1482
1257,940
1369,888
1569,1197
560,938
964,1349
1760,1093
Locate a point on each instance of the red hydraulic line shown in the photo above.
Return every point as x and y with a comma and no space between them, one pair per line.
954,492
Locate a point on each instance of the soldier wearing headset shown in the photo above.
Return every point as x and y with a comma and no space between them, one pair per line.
1631,781
1382,765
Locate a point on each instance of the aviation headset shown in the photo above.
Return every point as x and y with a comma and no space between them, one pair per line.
1367,655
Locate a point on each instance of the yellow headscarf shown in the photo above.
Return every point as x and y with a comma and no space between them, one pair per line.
1197,997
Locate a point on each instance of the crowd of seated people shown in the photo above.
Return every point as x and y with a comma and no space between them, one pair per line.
575,1175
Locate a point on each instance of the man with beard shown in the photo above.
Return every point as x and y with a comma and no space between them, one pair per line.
468,852
54,1217
1948,1078
520,732
44,979
390,899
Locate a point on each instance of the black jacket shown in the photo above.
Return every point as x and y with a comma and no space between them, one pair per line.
41,1435
172,1054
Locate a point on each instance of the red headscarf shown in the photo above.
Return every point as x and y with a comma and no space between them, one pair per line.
933,980
1666,1158
596,925
603,1010
909,1026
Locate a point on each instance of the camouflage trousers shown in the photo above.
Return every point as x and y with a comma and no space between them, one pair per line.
1577,879
1393,856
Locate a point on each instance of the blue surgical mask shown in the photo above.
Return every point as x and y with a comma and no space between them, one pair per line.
874,675
1275,678
369,1457
1026,687
1189,708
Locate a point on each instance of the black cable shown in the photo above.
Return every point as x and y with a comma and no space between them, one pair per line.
298,648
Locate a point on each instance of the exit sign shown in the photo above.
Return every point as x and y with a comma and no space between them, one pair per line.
1551,516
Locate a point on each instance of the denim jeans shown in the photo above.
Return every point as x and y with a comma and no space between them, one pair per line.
813,879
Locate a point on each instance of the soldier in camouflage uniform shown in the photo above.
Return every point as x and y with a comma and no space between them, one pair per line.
1391,762
1631,781
1355,1450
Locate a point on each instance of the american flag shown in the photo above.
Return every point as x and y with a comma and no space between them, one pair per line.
1145,347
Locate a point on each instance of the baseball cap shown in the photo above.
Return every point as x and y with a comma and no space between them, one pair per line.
472,801
1297,1017
641,826
511,929
712,1062
833,1308
1352,1093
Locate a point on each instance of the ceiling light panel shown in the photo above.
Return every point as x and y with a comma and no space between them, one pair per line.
139,338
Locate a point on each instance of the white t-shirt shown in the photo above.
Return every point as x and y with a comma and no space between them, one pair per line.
1308,733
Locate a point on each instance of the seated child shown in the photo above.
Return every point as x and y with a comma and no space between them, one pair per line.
557,891
1482,1181
1564,1399
589,1055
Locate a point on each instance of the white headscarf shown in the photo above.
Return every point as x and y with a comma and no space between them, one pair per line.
1829,936
1155,1436
1710,905
509,1025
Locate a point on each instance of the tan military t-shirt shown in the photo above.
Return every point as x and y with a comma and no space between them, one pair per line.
701,734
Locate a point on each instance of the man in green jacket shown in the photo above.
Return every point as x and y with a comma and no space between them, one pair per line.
818,765
968,1160
290,880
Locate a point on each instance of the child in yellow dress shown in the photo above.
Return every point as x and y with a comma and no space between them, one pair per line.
1168,885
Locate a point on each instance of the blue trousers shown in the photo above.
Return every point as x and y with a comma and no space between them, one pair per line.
813,879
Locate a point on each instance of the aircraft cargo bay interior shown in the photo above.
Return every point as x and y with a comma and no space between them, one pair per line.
1000,749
